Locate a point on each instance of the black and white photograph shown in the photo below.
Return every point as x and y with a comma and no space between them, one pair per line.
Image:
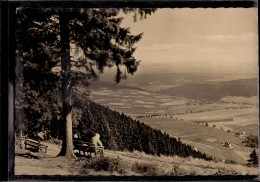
136,91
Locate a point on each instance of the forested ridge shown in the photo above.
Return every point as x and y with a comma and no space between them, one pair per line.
121,132
117,130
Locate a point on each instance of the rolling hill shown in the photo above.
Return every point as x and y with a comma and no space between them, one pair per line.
215,90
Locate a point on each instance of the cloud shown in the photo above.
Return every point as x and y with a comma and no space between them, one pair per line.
166,46
221,37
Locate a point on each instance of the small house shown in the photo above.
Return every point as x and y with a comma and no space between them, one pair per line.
240,134
227,144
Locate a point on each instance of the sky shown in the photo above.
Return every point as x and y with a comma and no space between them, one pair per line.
197,40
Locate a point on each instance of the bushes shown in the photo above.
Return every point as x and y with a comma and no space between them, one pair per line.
251,141
230,162
116,165
145,169
177,171
140,164
104,164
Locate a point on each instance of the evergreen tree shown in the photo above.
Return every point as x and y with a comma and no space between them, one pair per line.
44,40
253,158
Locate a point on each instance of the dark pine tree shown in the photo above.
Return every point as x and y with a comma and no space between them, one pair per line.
44,40
253,159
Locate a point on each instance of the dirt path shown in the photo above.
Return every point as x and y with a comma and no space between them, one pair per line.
40,163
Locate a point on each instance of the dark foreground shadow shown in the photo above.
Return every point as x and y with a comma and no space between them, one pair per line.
140,178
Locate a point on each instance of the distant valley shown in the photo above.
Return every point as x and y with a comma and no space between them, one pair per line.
182,111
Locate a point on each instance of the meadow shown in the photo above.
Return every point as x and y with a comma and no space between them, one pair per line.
205,139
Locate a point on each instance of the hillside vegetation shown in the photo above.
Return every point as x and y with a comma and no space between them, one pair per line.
121,132
137,163
121,163
215,90
117,131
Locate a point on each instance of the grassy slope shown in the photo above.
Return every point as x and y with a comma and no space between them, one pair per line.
121,163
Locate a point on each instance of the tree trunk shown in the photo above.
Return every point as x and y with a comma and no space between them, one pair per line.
67,143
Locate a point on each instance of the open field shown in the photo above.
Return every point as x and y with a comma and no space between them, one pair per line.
136,102
232,119
236,99
205,139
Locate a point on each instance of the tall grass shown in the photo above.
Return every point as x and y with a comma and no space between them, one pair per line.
104,164
137,163
145,169
118,166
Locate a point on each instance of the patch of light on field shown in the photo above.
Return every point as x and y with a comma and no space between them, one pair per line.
137,96
143,102
211,139
146,106
100,93
116,104
100,100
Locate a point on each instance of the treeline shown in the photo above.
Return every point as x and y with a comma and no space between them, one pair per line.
117,131
121,132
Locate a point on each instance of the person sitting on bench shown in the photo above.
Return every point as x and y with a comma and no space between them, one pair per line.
75,136
41,136
95,140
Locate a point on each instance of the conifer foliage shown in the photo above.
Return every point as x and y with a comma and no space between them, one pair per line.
253,159
51,75
120,132
44,37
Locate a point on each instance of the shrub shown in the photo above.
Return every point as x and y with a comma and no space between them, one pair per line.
230,162
105,164
251,141
145,169
177,171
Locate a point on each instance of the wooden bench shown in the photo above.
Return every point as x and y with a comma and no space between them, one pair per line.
87,147
35,144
